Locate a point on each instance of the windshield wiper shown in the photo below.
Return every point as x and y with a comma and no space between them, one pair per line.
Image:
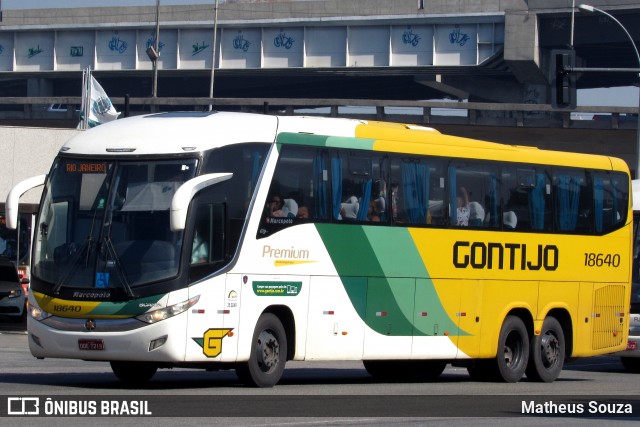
78,256
122,273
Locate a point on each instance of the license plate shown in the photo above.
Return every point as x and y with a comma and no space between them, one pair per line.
91,344
631,346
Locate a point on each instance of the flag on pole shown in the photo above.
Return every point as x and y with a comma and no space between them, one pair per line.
95,102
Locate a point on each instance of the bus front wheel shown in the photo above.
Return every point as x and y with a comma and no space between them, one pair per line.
547,352
268,354
134,372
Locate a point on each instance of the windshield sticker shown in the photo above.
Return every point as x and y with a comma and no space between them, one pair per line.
102,280
284,289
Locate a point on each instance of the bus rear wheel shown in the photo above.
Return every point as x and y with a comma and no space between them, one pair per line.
547,352
268,354
134,372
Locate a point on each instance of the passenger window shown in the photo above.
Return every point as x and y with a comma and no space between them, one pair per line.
526,199
574,201
208,244
358,187
473,190
299,191
610,192
417,191
208,237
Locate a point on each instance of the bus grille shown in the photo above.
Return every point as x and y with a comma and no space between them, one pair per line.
608,317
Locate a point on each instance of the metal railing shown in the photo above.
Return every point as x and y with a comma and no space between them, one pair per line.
34,109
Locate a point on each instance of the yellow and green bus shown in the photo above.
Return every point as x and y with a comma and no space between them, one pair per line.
238,241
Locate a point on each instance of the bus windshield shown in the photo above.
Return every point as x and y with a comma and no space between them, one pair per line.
104,225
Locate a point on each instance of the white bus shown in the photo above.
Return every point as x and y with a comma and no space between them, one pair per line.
630,357
239,241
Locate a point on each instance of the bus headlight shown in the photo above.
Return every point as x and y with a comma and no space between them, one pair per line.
167,312
37,313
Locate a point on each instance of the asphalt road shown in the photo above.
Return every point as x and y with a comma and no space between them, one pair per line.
588,392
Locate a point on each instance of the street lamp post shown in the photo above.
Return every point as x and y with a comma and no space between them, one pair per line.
213,53
153,52
590,9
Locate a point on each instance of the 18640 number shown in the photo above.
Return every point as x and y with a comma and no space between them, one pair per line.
599,260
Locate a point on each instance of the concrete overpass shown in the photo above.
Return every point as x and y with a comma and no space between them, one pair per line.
480,50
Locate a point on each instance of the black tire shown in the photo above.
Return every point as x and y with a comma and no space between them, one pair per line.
547,352
405,370
268,354
429,370
631,364
379,369
513,350
483,370
134,373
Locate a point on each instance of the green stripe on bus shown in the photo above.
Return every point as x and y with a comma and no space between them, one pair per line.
325,141
378,267
129,308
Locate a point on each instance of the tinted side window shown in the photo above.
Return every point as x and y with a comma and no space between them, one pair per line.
526,199
358,186
473,189
573,201
299,191
417,191
610,193
245,162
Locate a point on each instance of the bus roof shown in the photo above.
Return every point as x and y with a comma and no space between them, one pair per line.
180,132
172,133
184,132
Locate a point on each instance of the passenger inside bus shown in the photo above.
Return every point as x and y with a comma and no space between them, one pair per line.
200,248
463,207
476,214
349,209
303,212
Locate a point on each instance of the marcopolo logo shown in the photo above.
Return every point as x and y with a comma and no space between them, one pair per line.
23,406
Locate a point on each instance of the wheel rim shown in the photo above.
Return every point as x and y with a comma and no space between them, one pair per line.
550,349
513,350
267,351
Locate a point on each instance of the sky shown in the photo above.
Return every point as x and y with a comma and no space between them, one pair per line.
609,97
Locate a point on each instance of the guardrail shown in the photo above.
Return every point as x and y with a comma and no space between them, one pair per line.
34,109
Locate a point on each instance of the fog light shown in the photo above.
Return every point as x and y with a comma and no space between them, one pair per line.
158,342
36,340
